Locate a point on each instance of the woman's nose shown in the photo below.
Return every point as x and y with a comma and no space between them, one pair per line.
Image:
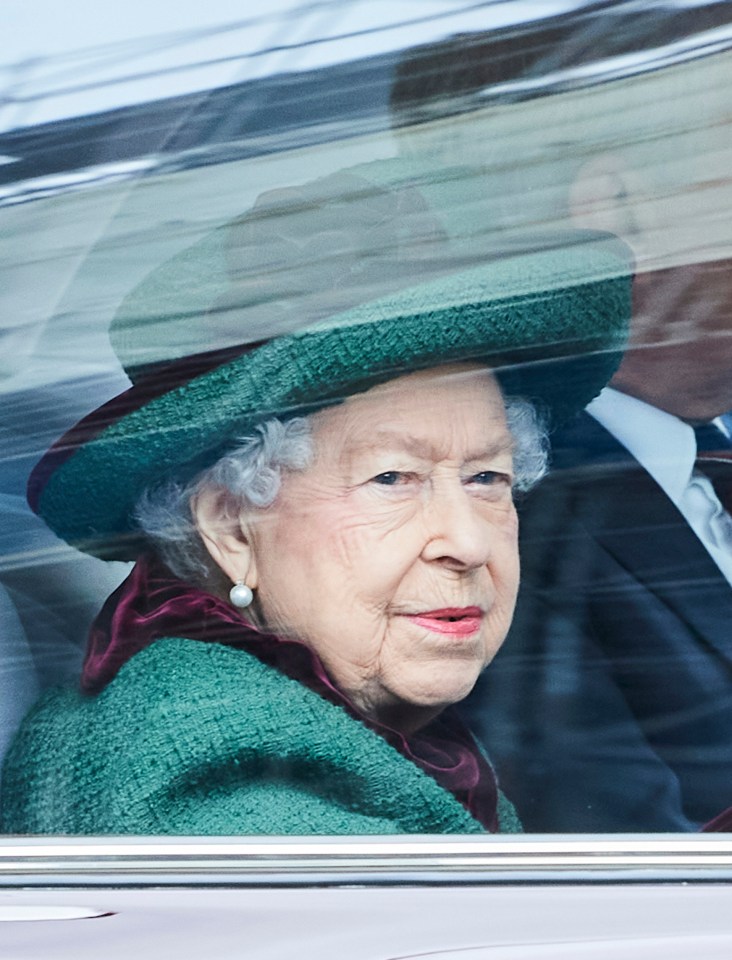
457,534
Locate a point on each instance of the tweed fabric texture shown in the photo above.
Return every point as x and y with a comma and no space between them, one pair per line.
199,739
519,314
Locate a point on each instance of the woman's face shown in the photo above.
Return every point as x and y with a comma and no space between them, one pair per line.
394,555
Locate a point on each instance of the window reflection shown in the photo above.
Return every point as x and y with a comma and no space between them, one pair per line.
295,203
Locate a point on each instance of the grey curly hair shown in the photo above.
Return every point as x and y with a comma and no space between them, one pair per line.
252,473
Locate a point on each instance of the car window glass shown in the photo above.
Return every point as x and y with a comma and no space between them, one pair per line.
172,199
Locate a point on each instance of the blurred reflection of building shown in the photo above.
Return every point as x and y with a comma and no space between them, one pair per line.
501,132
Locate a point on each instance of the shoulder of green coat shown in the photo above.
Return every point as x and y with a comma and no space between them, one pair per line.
508,819
202,738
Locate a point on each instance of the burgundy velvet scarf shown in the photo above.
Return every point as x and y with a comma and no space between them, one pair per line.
152,603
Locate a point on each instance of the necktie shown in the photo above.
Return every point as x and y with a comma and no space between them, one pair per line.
714,461
712,443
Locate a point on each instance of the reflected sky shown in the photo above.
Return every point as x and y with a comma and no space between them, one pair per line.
111,56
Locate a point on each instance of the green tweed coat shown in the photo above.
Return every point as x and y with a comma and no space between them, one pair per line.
196,738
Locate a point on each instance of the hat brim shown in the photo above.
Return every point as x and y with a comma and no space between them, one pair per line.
550,323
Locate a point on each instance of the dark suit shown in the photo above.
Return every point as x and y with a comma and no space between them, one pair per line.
610,706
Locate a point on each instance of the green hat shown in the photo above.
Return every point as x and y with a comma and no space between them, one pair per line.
550,320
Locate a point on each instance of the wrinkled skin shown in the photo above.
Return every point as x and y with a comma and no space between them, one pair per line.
406,510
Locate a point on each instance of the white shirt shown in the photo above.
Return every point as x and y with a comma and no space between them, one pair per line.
666,448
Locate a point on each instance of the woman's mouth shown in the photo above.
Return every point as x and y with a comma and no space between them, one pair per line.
455,621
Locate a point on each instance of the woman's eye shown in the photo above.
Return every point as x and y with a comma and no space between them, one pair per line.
389,478
489,478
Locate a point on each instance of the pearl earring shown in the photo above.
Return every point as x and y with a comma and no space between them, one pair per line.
240,595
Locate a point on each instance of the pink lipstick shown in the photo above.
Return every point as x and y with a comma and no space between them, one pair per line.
454,621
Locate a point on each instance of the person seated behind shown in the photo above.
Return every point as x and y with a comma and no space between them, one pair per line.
621,637
371,541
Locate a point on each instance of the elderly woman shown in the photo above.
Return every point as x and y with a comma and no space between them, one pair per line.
327,559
